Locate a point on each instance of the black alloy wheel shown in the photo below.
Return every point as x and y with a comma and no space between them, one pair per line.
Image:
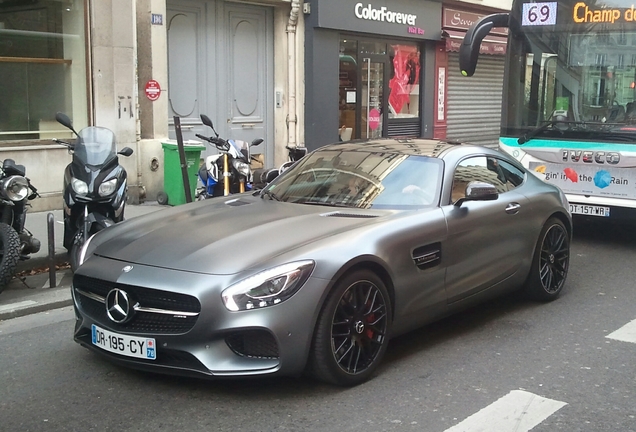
352,331
551,262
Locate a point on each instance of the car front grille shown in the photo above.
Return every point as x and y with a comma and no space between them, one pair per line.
253,344
157,312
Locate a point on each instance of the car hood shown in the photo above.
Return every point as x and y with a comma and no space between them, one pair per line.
226,236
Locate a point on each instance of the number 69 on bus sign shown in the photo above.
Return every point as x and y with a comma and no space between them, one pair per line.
538,14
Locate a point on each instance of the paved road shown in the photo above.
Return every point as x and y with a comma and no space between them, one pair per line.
554,361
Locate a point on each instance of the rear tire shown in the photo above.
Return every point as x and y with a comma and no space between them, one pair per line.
10,250
352,332
550,262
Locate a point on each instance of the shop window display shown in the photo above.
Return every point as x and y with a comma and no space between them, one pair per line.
43,67
404,83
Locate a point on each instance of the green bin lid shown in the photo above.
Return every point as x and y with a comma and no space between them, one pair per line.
187,145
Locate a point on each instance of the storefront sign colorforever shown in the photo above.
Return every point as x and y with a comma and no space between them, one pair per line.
382,14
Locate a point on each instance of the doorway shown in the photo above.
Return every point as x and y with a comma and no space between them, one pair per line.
220,63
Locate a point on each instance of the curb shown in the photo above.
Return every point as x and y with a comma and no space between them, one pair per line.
52,298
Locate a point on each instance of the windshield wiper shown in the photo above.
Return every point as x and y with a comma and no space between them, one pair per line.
271,195
534,132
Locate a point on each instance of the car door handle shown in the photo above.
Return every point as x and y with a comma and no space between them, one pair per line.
513,208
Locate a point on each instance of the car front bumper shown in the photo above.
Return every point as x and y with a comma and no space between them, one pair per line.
216,342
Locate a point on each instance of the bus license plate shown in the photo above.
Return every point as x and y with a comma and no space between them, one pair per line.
125,345
589,210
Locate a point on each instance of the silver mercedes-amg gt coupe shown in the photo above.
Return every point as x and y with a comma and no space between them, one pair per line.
356,243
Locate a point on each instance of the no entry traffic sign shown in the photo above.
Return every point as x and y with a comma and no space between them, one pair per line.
153,90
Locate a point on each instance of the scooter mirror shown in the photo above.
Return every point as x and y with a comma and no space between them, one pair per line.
257,141
126,151
206,121
64,120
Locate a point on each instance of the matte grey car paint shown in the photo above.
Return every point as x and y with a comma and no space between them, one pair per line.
476,250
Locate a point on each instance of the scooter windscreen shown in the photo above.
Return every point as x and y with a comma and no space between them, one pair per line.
95,146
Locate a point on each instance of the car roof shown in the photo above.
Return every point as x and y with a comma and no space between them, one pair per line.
410,146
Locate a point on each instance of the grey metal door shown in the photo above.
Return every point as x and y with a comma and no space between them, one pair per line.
221,63
187,92
249,73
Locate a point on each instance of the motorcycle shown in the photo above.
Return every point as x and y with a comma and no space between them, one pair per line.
263,177
232,164
94,185
16,242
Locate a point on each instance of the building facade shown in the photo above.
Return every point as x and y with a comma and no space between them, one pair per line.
369,69
469,109
294,73
132,66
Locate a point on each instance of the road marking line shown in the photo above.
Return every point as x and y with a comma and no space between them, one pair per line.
17,305
627,333
517,411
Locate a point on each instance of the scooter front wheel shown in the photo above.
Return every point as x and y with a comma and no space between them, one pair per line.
74,253
10,251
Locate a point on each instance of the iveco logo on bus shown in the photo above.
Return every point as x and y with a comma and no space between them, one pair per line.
599,157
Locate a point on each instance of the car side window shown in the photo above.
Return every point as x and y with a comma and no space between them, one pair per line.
501,174
514,176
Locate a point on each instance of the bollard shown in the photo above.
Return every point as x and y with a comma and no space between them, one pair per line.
50,220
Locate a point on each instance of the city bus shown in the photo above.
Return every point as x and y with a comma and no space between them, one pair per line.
569,104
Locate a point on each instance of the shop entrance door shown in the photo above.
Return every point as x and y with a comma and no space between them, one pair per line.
372,99
362,89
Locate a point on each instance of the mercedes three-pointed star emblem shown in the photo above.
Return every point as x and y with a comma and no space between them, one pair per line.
118,306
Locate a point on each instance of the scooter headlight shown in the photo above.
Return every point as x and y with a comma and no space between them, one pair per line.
242,168
107,188
16,188
267,288
80,187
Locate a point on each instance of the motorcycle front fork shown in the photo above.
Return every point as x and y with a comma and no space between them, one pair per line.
226,177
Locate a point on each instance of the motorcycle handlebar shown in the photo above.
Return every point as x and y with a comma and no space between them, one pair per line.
219,143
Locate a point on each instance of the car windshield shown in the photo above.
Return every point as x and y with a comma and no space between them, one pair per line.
360,179
95,146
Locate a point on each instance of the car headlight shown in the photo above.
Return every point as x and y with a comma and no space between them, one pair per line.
242,168
107,188
267,288
16,188
80,187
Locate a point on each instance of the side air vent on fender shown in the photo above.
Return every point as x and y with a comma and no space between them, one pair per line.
427,256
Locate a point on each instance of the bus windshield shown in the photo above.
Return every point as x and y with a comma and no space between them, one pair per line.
575,78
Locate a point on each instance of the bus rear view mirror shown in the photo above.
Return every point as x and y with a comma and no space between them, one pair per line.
469,49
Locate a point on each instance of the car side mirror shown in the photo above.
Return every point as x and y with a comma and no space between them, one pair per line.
126,151
478,191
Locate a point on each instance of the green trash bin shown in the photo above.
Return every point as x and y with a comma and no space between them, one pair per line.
174,190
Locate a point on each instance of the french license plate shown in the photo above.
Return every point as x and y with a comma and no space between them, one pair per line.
589,210
129,346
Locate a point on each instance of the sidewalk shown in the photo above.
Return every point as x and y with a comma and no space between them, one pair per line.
31,293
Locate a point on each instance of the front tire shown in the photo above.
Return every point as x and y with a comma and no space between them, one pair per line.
550,262
352,333
10,251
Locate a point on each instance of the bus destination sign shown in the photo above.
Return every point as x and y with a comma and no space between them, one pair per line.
543,14
539,14
582,13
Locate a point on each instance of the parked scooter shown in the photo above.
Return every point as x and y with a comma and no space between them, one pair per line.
263,177
16,242
228,172
94,185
